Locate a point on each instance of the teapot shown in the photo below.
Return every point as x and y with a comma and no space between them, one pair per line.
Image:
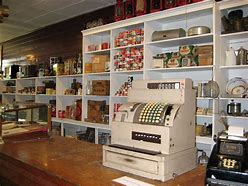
242,56
230,57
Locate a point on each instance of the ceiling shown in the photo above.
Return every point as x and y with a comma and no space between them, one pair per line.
28,15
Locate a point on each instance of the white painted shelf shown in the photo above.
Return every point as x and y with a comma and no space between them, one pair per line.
235,67
178,69
198,39
128,46
98,51
204,140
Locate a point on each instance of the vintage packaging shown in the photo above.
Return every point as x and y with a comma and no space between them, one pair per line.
188,50
98,63
100,87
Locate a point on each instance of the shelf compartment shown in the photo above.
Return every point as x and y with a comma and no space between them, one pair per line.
192,68
205,38
204,139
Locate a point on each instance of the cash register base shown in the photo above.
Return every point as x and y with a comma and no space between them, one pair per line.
159,167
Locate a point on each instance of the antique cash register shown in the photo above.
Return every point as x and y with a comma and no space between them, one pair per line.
153,134
228,163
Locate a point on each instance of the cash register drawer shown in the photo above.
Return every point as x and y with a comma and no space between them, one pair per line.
132,162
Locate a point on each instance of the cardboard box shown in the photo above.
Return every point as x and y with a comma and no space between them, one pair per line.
205,59
206,49
101,87
98,63
96,111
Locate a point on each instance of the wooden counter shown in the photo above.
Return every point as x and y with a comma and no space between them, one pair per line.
63,161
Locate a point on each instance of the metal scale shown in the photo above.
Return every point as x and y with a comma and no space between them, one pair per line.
228,163
153,134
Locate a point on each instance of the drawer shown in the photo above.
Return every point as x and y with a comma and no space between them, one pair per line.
133,162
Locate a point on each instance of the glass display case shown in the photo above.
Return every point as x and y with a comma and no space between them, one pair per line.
24,121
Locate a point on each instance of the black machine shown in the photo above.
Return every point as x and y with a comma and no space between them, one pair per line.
228,163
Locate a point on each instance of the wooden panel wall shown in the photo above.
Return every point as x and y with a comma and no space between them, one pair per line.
62,39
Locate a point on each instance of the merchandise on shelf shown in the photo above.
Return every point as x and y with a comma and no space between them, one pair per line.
119,10
74,111
188,55
76,88
96,47
100,87
234,22
88,135
203,130
130,37
129,8
97,112
87,68
99,63
168,34
156,5
123,90
116,109
48,88
141,7
129,59
53,109
204,111
10,87
27,90
205,55
104,138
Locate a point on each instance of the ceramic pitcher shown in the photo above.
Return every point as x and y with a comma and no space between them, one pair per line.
230,57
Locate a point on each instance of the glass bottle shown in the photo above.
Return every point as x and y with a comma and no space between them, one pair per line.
88,88
203,159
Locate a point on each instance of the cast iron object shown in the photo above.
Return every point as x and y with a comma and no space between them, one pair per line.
245,23
235,14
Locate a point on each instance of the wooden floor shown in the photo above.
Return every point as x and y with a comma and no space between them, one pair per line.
63,161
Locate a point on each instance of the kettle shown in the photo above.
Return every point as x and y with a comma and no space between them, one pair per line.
242,56
230,57
234,108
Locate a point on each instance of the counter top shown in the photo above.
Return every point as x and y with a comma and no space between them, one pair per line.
65,161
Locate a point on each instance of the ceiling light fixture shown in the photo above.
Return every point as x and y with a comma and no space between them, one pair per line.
4,11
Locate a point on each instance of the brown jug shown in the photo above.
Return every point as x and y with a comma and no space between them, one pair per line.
242,56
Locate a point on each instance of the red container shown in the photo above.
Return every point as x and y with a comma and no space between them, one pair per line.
156,5
129,8
61,114
182,2
169,4
119,10
105,46
140,7
195,1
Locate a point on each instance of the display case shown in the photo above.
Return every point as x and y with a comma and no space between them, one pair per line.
24,121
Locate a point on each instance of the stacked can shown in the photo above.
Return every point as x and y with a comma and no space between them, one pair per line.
130,37
129,59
